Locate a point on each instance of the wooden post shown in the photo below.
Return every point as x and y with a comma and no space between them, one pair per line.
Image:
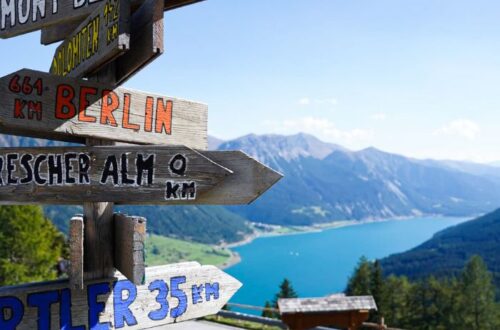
99,238
130,234
76,253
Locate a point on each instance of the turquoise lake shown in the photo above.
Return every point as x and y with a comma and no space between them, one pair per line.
320,263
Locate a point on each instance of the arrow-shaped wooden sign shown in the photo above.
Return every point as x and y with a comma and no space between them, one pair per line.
41,105
249,180
19,16
126,175
100,38
173,293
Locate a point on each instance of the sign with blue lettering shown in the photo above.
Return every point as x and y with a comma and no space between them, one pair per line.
172,293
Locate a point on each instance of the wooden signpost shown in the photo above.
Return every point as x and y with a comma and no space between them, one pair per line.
103,36
108,41
41,105
20,16
125,175
130,236
172,293
146,41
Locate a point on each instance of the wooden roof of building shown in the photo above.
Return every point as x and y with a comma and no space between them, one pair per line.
333,303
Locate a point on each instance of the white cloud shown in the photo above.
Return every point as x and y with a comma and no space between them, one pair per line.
305,101
327,101
379,116
460,127
320,127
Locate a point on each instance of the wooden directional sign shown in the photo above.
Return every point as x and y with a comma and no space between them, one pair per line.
21,16
173,293
146,41
61,31
126,175
41,105
249,180
101,37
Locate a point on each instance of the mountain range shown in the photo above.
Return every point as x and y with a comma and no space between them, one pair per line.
323,182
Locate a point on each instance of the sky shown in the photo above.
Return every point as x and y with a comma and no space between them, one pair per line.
418,78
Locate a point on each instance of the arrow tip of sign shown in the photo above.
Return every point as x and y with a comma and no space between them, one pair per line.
268,177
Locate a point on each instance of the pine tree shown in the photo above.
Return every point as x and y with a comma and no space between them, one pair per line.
286,291
360,282
395,301
477,303
377,290
267,312
30,245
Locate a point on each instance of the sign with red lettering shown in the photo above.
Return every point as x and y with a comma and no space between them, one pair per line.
41,105
119,174
100,38
172,294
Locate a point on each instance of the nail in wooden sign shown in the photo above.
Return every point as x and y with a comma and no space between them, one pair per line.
125,175
41,105
103,36
172,293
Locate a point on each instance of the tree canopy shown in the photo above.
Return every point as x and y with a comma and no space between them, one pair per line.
463,303
30,245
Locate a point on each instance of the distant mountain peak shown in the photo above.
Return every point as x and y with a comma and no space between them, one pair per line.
214,143
288,147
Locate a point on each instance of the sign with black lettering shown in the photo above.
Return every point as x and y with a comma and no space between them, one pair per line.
100,38
124,175
172,293
22,16
41,105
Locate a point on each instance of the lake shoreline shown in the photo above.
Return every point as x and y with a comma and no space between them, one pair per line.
321,263
235,258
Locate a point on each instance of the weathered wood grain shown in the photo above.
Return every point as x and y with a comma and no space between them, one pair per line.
60,31
173,293
37,14
120,174
41,105
99,225
100,38
130,236
76,253
98,231
250,179
146,41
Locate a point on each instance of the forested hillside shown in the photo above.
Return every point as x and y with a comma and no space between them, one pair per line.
447,252
207,224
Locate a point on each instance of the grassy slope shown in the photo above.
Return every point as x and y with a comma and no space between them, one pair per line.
162,250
